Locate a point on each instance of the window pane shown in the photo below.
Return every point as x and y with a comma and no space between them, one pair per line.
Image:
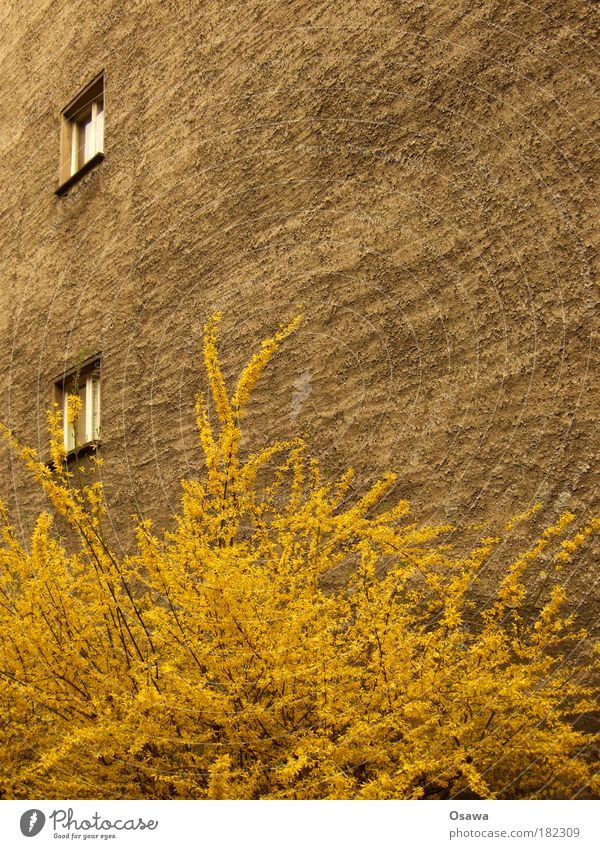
100,129
81,430
67,428
95,401
87,141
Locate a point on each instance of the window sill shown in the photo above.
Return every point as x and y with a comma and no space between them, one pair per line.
74,178
76,453
82,450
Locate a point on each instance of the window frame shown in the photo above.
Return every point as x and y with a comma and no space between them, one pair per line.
71,165
88,375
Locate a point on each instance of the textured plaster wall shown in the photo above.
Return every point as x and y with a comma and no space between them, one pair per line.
420,177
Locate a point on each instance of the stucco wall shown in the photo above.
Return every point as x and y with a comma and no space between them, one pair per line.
418,177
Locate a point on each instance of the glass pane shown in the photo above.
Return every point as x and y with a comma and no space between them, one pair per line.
87,141
100,128
67,428
84,136
81,434
95,401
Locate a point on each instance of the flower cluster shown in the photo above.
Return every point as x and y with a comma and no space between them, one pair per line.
285,638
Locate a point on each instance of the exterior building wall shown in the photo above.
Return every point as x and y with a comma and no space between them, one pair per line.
417,178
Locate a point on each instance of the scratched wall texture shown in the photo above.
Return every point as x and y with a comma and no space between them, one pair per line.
418,178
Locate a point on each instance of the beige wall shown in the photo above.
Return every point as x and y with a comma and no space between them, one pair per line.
420,177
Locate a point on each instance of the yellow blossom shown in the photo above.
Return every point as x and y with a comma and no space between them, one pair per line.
286,637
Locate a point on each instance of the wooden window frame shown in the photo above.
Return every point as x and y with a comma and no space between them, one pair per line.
90,102
87,375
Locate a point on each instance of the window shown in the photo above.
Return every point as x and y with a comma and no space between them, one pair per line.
83,381
82,134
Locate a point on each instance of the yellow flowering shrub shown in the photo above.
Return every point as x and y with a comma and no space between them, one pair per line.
285,638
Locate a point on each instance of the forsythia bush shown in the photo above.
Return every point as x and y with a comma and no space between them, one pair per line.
218,662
